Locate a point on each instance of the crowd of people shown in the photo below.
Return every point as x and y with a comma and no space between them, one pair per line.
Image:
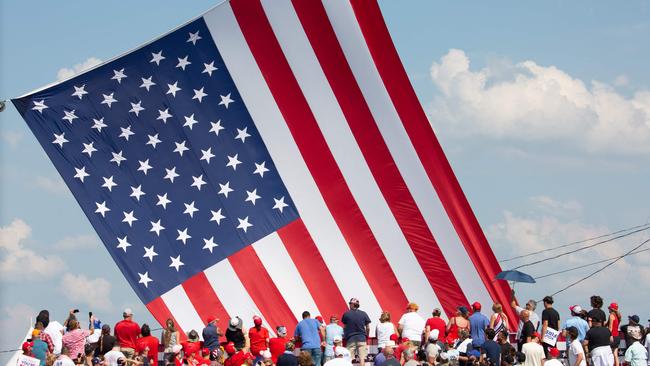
468,338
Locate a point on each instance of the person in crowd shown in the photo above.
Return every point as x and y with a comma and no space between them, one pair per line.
75,338
44,336
527,330
534,351
477,325
64,358
126,332
341,358
287,358
464,346
309,332
192,344
614,321
333,331
148,344
111,357
647,345
636,354
458,323
235,334
598,341
356,327
411,324
596,313
259,338
633,331
384,330
211,334
576,320
552,358
39,347
507,350
27,348
304,357
575,349
491,350
499,319
169,338
550,319
435,322
388,354
409,357
277,345
106,341
531,305
235,356
433,347
52,330
451,356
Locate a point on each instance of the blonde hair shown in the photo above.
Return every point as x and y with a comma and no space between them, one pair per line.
497,308
412,306
384,317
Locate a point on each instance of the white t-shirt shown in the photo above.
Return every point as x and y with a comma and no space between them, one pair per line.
647,346
338,361
412,326
534,354
64,361
432,350
383,333
553,362
462,347
54,329
575,348
111,357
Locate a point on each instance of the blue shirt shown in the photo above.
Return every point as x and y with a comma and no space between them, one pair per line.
331,331
308,332
477,324
492,351
355,321
210,337
40,350
580,324
380,359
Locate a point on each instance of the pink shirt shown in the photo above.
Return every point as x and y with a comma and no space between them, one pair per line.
75,341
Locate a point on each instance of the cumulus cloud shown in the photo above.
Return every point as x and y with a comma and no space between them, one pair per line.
77,242
16,319
94,292
534,103
51,184
65,72
15,258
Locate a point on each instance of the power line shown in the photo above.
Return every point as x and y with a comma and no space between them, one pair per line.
588,264
646,225
602,268
582,248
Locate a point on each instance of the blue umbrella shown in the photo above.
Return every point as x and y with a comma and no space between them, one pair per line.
515,276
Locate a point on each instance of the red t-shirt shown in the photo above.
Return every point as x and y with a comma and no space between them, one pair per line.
236,359
152,343
126,332
258,339
276,347
191,347
437,323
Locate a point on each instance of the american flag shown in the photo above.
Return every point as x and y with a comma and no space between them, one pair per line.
266,158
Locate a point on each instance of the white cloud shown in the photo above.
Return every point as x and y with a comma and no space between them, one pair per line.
533,103
94,292
16,319
65,72
77,242
622,80
53,185
16,260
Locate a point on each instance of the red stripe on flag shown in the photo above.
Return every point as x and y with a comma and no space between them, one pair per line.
262,289
429,150
312,268
317,155
161,313
204,299
323,40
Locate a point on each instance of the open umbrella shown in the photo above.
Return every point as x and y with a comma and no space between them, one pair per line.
515,276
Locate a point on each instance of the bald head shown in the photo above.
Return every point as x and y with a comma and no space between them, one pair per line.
525,315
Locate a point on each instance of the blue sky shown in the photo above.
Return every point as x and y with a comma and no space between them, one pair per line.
543,109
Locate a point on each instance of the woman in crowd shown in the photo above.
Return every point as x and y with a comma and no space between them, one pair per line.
498,320
75,338
384,330
169,339
458,323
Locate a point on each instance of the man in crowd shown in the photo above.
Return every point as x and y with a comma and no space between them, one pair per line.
576,321
288,358
552,359
435,322
64,359
534,351
309,332
148,344
596,313
355,331
211,334
598,341
633,331
126,332
332,331
550,319
575,349
636,354
409,357
387,356
531,305
477,325
411,324
491,350
506,348
277,345
258,337
527,329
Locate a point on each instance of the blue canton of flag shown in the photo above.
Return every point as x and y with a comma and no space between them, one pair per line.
161,153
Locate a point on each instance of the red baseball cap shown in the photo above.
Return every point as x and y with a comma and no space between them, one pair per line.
210,319
27,346
404,340
320,319
554,352
536,335
476,306
230,348
257,320
613,306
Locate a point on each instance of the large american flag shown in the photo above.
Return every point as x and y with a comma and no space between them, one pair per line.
266,158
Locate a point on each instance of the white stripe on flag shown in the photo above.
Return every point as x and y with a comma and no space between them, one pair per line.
332,123
181,307
356,51
269,121
285,275
232,293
